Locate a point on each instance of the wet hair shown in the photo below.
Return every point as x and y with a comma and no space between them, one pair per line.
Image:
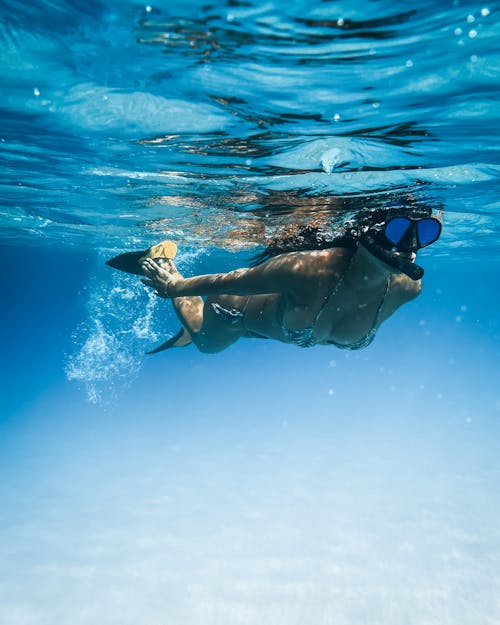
319,236
304,237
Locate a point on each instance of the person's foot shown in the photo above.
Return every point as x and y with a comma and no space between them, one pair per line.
161,275
168,265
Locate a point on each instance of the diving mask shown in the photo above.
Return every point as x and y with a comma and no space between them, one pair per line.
400,236
409,235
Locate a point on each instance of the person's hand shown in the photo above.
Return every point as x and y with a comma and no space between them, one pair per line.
160,277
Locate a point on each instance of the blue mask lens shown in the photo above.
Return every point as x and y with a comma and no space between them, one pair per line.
396,228
401,231
428,231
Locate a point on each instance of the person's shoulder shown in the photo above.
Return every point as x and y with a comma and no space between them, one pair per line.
336,258
330,253
313,264
404,285
402,290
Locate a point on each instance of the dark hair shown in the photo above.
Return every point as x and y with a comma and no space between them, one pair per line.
319,235
304,237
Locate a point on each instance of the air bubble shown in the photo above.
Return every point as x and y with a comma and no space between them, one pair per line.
149,9
331,392
472,33
409,63
340,21
470,19
336,117
36,92
458,32
485,12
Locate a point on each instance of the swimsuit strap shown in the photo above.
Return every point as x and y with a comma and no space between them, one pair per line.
233,316
334,292
305,337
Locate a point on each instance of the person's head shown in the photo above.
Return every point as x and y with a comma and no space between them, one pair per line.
397,232
393,229
402,230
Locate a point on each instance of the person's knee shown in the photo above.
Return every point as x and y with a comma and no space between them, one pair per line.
207,347
216,336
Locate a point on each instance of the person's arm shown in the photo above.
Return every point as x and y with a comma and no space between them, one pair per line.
274,276
237,282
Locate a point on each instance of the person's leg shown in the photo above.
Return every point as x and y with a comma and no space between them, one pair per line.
211,324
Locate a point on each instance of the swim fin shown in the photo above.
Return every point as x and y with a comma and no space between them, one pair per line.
181,339
131,261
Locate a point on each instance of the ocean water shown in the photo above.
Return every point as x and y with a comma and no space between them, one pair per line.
267,483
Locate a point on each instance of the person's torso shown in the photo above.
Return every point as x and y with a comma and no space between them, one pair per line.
345,309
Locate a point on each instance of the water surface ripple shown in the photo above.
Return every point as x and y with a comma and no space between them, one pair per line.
216,123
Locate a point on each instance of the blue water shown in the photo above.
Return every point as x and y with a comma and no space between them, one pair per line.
265,484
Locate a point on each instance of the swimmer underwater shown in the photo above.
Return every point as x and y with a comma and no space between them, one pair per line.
306,289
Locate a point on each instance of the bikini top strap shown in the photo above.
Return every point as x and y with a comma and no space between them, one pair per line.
335,290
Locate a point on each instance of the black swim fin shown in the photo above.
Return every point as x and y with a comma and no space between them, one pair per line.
181,339
131,261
